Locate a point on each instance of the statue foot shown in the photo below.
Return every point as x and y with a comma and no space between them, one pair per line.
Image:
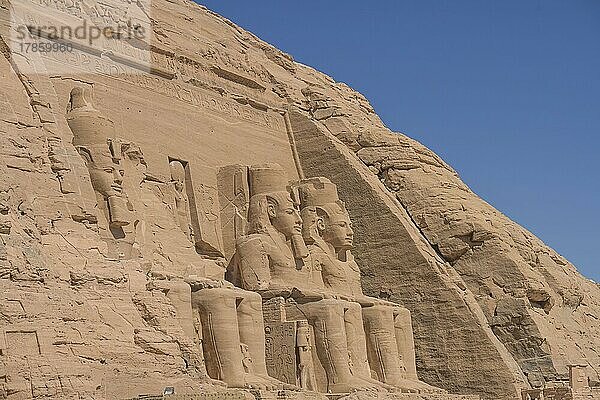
381,386
408,386
247,381
405,386
262,382
279,385
210,381
426,388
354,385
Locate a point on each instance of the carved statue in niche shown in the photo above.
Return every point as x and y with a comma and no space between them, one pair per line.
327,230
272,260
182,205
103,154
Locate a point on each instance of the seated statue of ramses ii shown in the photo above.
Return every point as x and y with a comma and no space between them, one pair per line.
350,330
328,232
272,260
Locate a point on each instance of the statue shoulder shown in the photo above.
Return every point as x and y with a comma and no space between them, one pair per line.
252,246
249,267
316,251
245,243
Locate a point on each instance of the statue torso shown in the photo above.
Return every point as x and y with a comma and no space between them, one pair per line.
259,251
340,277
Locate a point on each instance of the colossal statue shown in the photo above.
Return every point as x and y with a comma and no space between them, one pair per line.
233,335
327,230
272,260
229,320
105,157
92,137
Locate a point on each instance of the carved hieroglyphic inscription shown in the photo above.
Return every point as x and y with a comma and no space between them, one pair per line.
281,351
163,80
235,90
96,27
224,395
274,310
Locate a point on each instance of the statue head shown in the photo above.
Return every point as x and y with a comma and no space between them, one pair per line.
106,176
271,205
177,174
283,214
334,226
324,214
80,98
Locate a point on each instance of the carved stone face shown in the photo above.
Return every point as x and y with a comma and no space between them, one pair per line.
337,230
106,179
284,216
179,186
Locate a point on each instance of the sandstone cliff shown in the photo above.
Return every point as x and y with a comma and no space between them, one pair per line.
494,309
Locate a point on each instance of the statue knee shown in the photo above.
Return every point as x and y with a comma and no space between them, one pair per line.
402,313
180,287
352,307
377,312
213,297
250,297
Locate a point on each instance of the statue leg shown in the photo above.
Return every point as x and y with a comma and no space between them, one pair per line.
406,349
357,342
180,294
251,327
252,334
404,341
221,345
327,320
382,346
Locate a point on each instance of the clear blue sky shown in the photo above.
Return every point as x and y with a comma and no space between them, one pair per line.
507,92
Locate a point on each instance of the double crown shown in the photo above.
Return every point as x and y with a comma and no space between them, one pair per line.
315,192
311,192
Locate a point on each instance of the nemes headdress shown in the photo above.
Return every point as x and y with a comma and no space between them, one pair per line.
268,182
